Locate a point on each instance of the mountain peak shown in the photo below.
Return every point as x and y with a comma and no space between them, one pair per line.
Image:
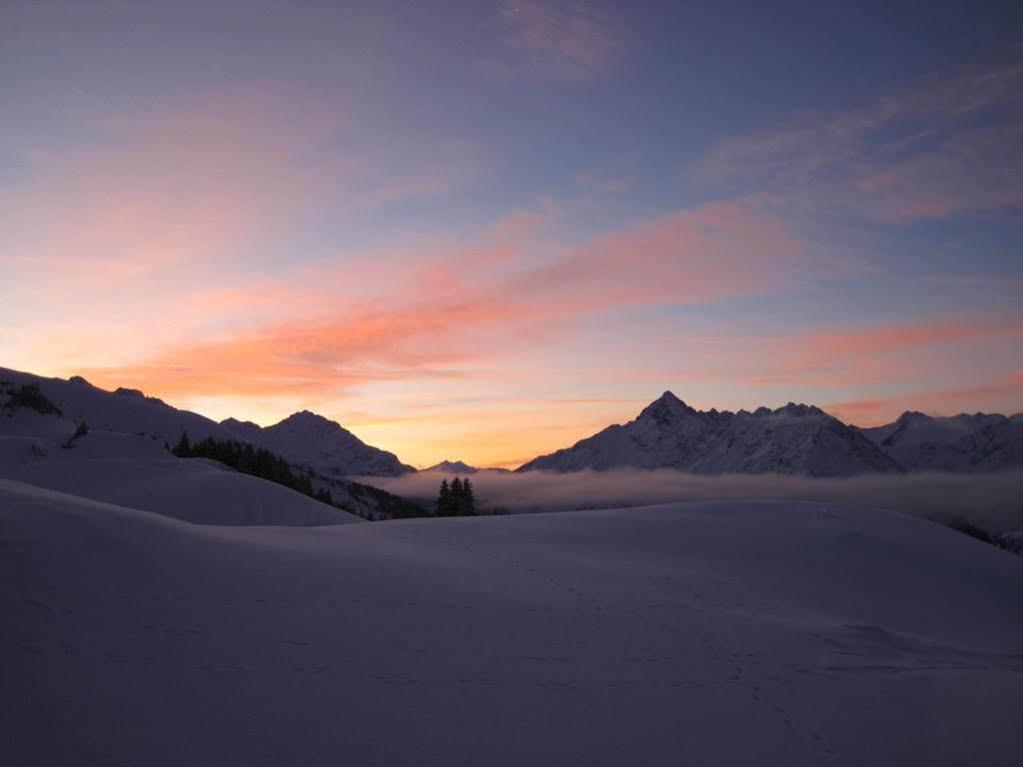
666,407
453,467
799,410
912,416
244,426
308,417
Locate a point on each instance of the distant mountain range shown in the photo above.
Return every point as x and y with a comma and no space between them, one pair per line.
961,443
794,439
668,433
310,440
304,439
461,467
452,467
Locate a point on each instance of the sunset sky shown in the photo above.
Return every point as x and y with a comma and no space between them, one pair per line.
483,230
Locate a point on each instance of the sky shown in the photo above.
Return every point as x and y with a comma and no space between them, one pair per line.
485,230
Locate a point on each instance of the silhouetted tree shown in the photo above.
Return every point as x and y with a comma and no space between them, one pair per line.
456,499
468,500
183,449
29,396
444,504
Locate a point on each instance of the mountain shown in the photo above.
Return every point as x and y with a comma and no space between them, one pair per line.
127,411
47,450
303,439
321,445
962,443
794,439
452,467
122,457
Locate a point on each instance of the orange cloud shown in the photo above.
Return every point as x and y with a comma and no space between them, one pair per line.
444,313
716,251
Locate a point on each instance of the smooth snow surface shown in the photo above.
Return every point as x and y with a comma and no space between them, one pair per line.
138,471
708,634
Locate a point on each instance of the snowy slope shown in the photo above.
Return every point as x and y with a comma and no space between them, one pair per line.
138,471
126,410
795,439
317,443
978,442
304,439
710,634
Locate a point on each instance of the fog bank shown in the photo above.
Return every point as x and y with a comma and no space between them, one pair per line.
989,500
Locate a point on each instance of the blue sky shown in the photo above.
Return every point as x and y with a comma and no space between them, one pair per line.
482,230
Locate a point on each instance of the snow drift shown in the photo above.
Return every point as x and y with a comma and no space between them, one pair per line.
717,634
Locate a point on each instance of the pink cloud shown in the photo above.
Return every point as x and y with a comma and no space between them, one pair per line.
846,357
1000,395
207,182
452,313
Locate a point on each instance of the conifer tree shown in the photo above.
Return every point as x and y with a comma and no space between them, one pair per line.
455,508
468,499
184,448
444,499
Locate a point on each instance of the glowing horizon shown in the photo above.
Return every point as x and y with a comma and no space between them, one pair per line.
482,232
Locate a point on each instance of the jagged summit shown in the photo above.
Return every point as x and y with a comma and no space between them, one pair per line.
667,404
798,410
968,442
668,433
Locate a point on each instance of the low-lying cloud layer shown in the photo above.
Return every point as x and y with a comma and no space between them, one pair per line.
991,501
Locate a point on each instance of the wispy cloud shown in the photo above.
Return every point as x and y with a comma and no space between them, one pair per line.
211,179
1002,394
846,357
456,311
940,147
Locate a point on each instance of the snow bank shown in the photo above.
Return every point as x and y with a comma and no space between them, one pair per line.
713,634
138,472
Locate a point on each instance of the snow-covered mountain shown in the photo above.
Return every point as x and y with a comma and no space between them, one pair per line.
978,442
795,439
452,467
122,458
42,449
319,444
303,439
127,411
